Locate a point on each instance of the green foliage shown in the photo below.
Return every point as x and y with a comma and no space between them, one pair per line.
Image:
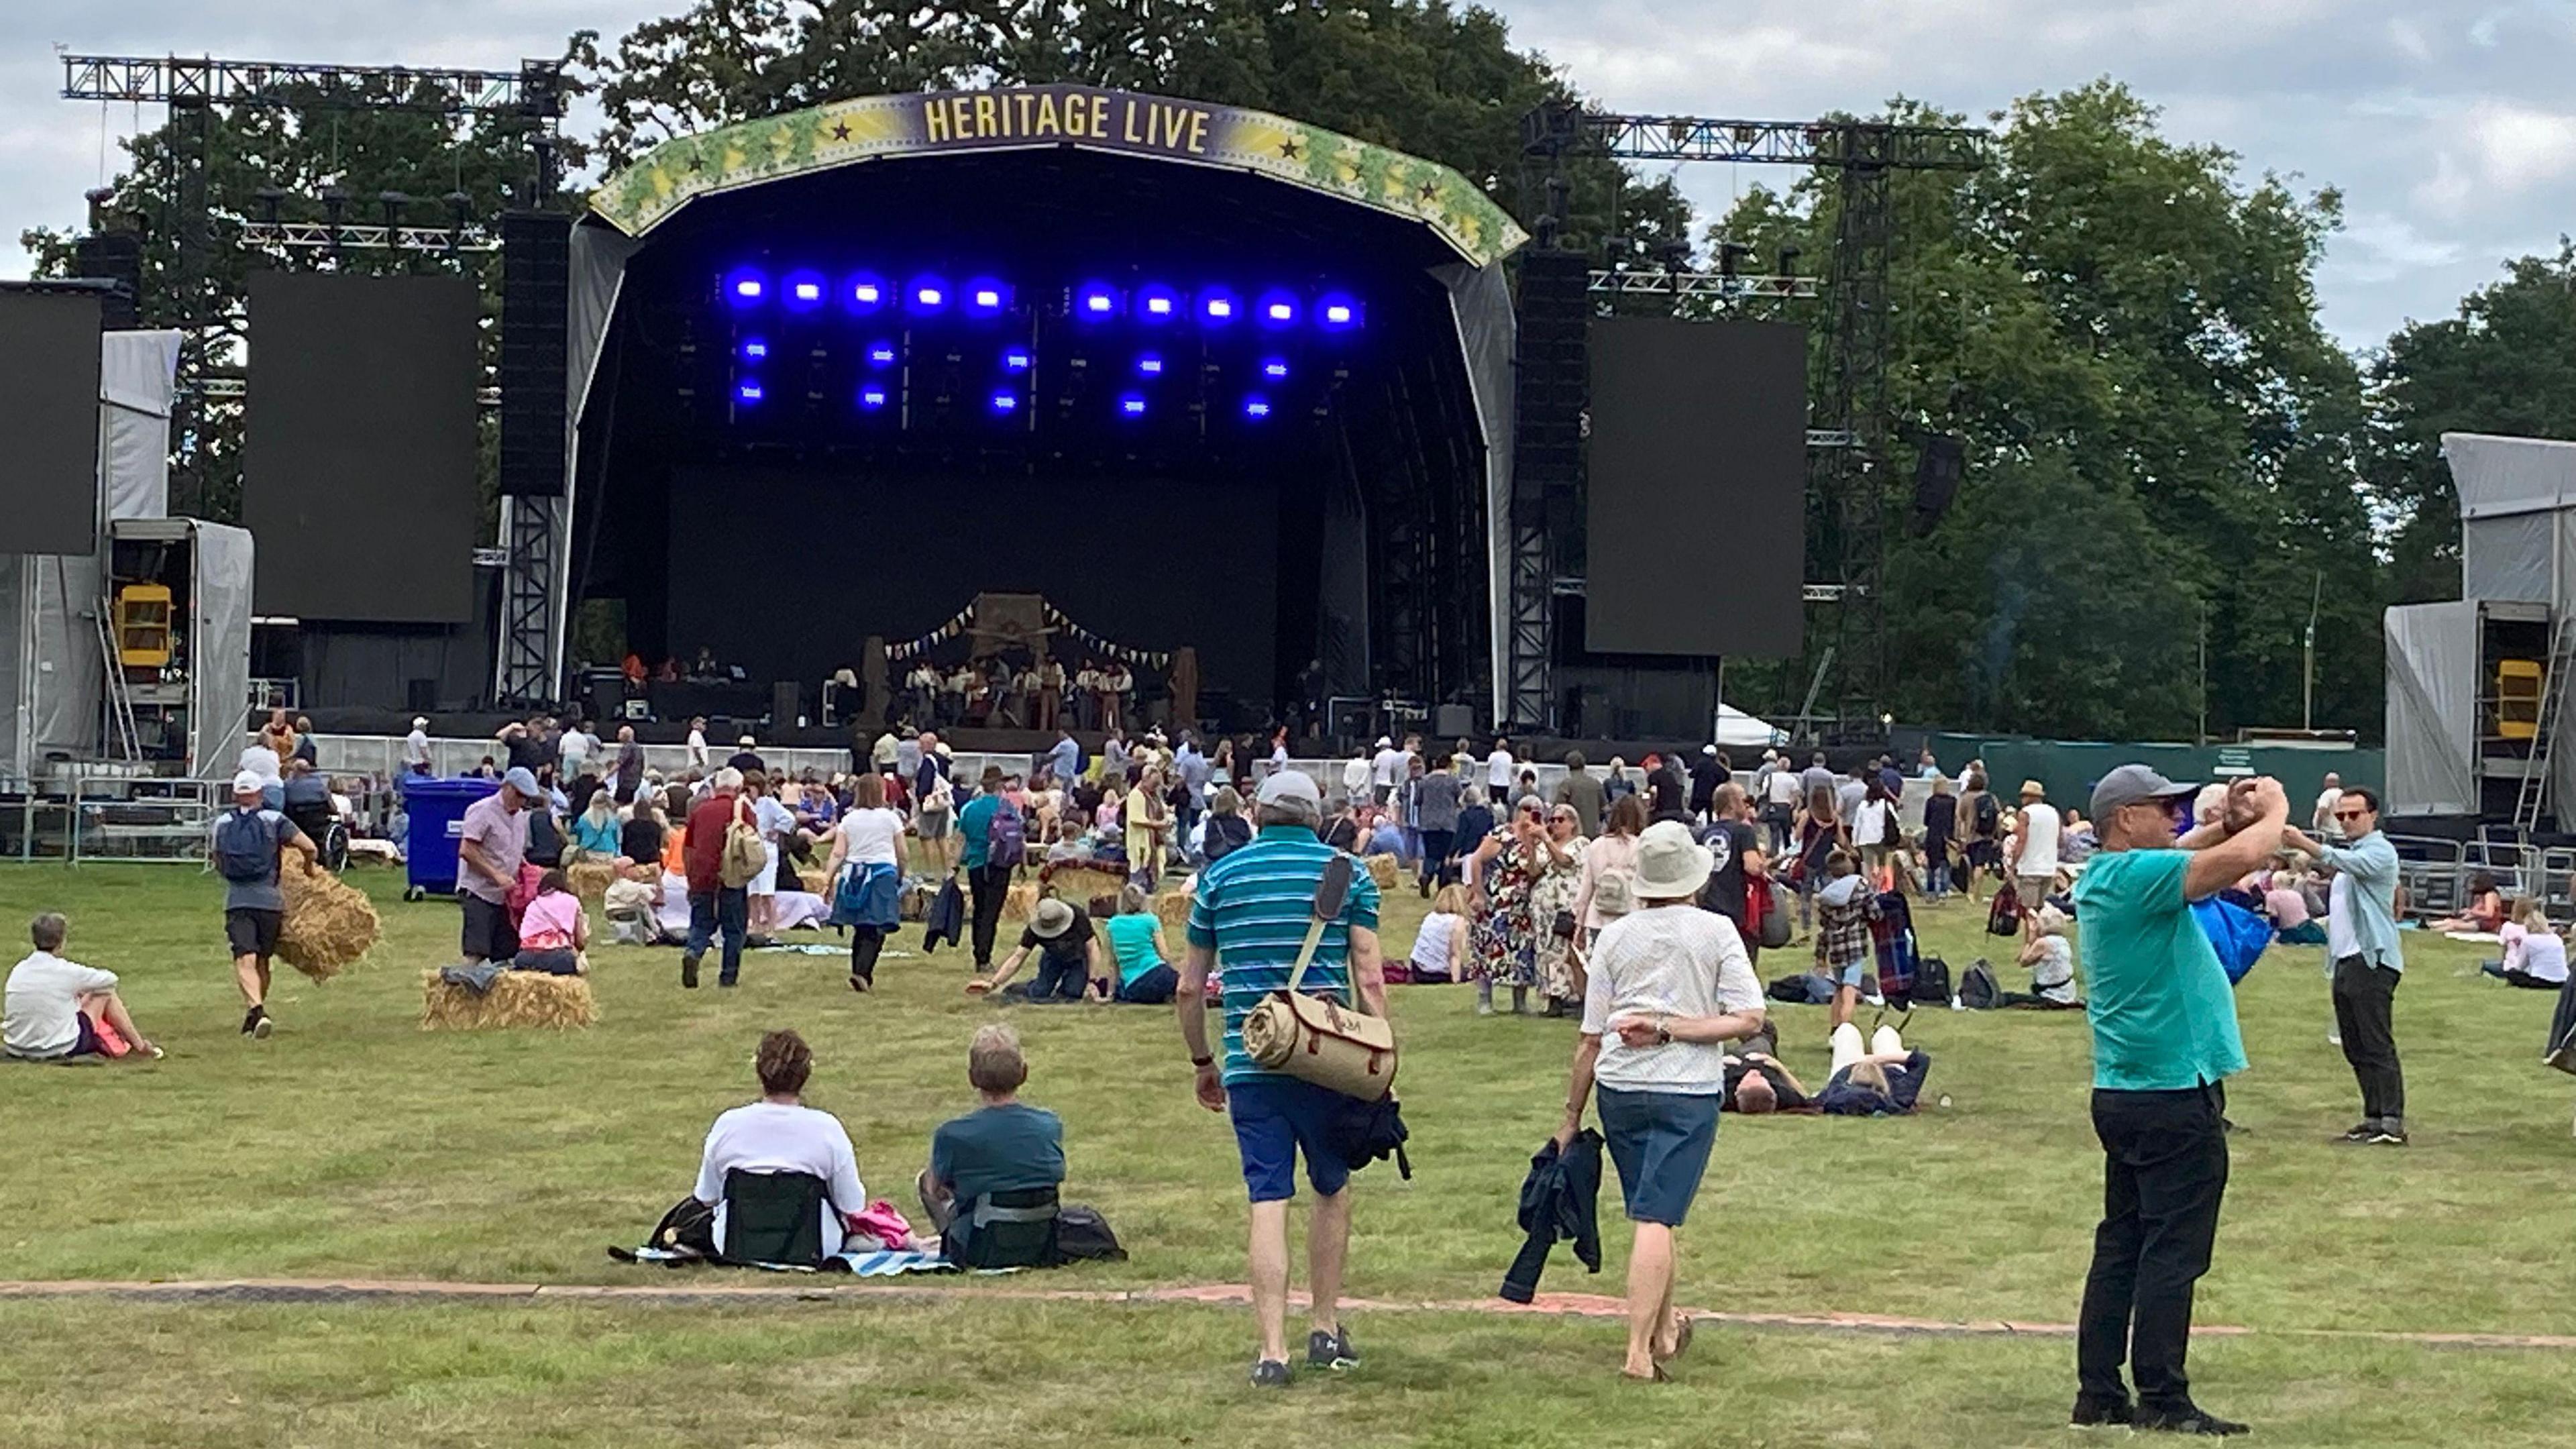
2505,364
2157,432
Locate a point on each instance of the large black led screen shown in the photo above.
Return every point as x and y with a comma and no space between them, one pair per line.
358,471
1696,466
49,422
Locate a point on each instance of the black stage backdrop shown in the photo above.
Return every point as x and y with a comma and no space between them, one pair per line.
359,464
785,572
49,425
1696,472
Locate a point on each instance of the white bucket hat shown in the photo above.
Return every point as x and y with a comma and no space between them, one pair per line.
1671,865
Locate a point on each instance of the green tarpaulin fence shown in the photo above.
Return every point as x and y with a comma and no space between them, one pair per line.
2068,768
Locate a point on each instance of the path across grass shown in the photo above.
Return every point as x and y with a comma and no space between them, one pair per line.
353,1144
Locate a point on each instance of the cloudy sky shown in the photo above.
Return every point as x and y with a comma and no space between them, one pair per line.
2448,124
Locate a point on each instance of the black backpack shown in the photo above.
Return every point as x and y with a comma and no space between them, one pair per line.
1989,813
1978,989
1931,982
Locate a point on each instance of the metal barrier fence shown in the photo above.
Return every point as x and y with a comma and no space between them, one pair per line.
125,819
2440,875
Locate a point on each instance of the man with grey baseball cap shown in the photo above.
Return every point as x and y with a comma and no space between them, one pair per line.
2164,1043
491,845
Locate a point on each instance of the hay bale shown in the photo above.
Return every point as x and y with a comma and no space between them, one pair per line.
1172,908
518,999
590,878
912,903
1384,869
1021,902
328,925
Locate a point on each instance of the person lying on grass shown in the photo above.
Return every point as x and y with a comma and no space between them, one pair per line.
58,1009
1882,1081
1004,1145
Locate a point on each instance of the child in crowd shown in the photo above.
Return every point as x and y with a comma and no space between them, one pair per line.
1439,954
1844,909
554,931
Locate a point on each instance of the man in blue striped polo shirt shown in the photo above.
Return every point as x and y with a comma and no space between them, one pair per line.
1250,912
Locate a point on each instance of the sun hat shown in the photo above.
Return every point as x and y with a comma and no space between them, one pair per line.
1671,865
2033,787
1051,919
1287,785
248,783
521,779
2130,784
744,742
420,721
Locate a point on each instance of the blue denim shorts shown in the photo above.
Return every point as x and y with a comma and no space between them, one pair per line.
1274,1120
1660,1143
1855,975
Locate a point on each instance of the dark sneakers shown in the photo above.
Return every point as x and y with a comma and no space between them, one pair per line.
2361,1132
2090,1411
1331,1350
2390,1133
1269,1373
255,1023
689,972
2187,1418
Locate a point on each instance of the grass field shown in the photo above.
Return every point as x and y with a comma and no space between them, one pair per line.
354,1144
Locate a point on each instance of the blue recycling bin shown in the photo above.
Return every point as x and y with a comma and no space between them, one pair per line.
437,810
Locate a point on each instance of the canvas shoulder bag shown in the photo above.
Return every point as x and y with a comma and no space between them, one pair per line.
745,856
1316,1040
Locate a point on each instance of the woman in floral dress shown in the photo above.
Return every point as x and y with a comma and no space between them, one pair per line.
1560,962
1509,865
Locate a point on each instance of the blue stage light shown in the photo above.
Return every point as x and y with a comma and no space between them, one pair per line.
753,349
1150,365
927,294
1256,407
1337,312
1006,402
748,390
1277,309
865,292
986,297
1016,359
1218,307
1275,368
1096,302
802,290
1157,303
746,286
872,398
881,354
1132,405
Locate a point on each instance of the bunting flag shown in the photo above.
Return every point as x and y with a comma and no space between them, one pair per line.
1149,658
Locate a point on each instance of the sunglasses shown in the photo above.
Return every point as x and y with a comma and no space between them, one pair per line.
2351,814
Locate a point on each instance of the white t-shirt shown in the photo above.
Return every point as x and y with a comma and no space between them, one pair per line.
2039,823
41,1002
698,749
1498,770
871,836
2341,941
1355,774
1389,765
2322,819
1784,786
2053,974
2544,956
776,1137
574,748
1431,943
1666,961
1872,824
416,748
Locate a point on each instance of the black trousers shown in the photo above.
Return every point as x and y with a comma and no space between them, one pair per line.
989,885
2365,998
2164,1171
865,943
1436,845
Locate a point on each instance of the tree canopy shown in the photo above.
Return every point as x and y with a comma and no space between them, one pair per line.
2168,460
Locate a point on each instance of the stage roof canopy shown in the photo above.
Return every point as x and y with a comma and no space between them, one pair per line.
933,123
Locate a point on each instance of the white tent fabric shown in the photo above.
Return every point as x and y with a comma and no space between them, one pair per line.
2432,708
135,381
2517,515
1735,728
220,663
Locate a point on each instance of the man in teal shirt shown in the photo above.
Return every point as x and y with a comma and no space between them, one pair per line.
2164,1040
987,883
2361,941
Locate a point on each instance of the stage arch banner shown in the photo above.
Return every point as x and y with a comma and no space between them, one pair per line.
933,123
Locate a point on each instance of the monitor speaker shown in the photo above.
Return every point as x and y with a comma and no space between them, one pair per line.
1453,721
117,257
606,689
785,703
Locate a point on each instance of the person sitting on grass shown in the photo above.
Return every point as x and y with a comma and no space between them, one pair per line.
779,1133
2534,955
1068,950
1146,976
1882,1081
1844,909
58,1009
1440,946
2485,913
1004,1145
2051,960
632,902
597,831
2293,923
554,931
